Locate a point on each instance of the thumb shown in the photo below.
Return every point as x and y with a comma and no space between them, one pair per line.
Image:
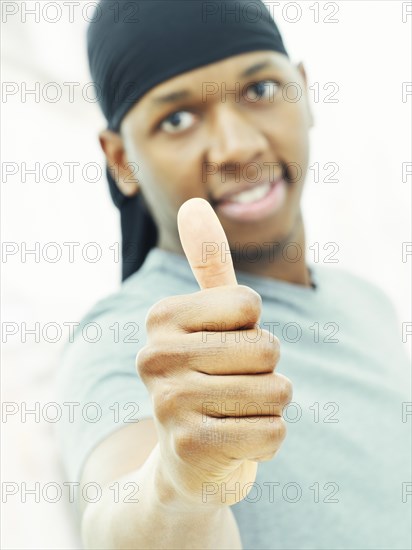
205,244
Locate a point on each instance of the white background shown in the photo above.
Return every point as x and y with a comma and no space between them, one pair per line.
367,133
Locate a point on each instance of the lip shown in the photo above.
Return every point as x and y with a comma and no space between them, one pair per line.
257,210
240,188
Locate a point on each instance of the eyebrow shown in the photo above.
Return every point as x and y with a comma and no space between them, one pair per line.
174,97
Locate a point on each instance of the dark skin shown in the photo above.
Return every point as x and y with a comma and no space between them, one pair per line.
173,143
166,456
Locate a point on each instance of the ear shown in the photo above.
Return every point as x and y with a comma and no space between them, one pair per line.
301,69
123,172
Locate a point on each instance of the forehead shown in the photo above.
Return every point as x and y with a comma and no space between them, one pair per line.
231,69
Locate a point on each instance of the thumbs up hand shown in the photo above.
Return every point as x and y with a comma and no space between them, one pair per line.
210,371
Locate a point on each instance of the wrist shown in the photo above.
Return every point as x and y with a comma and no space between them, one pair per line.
174,496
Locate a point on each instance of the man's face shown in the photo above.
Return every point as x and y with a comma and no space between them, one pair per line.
230,126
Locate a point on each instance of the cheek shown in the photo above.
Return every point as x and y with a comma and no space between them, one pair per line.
171,185
179,174
287,131
169,173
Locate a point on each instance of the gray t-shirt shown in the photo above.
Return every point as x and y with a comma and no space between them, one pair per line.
342,479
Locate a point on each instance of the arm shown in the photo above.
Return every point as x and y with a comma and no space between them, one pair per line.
200,385
161,519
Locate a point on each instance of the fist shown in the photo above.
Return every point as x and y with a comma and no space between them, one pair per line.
209,368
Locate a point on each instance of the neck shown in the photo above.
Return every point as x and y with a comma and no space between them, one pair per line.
284,260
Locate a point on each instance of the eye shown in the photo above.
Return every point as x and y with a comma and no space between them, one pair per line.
264,89
177,122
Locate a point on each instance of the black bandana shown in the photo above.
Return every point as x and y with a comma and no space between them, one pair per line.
133,45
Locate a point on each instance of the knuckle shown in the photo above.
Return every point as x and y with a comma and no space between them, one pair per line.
285,390
143,362
186,443
147,361
172,401
267,457
162,359
249,303
276,432
195,438
159,314
167,401
269,349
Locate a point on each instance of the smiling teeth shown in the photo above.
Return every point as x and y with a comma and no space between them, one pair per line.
251,195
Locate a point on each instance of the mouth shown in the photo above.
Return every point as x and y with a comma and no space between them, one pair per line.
254,202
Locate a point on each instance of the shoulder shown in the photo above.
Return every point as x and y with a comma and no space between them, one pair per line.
346,286
126,308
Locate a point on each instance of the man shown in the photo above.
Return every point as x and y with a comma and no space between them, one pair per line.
180,449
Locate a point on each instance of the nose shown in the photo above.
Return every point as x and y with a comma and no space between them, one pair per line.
235,139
